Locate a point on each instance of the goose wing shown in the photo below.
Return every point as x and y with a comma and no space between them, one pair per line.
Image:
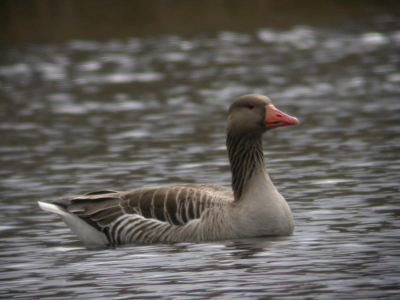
173,205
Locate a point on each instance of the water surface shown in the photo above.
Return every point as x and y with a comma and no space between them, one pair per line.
86,115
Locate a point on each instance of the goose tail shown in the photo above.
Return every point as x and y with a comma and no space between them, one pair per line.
85,232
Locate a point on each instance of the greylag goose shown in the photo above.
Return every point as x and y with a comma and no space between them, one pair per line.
193,212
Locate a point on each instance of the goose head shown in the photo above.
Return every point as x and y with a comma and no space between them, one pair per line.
252,115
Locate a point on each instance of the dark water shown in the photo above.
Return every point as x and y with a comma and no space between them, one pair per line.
129,113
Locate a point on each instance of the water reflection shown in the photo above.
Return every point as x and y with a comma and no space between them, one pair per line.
147,111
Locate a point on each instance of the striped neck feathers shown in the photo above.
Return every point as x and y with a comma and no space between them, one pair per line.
245,156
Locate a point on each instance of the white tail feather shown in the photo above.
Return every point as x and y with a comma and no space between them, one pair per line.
53,208
86,233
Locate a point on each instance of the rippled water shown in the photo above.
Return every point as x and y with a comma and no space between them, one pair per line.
130,113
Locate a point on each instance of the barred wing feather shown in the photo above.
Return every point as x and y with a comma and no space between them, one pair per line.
148,214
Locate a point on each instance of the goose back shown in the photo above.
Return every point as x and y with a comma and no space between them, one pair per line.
162,209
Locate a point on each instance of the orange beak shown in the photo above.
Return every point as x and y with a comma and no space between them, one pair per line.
275,118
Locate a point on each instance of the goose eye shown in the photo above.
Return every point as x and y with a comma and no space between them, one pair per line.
250,106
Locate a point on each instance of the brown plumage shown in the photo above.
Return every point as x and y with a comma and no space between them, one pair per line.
175,204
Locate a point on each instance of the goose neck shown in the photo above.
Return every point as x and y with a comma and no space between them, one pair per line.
246,159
